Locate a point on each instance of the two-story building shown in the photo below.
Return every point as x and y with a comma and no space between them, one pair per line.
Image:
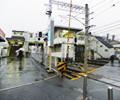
29,41
98,47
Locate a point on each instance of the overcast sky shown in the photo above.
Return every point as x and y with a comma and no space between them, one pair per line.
29,15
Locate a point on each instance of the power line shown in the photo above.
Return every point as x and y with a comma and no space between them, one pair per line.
103,11
91,2
107,30
78,20
103,5
73,11
107,25
67,5
98,3
108,8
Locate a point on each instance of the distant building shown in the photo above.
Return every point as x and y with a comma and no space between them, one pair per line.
116,45
100,47
28,40
3,44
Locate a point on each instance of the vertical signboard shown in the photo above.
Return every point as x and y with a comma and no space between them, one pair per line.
51,33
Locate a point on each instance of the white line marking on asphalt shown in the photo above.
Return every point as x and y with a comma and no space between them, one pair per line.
5,89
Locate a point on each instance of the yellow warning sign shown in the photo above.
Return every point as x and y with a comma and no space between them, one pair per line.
69,35
61,66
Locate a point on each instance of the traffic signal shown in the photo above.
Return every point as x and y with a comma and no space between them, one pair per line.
38,38
40,34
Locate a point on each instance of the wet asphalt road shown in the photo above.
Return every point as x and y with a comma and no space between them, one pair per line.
28,84
13,74
58,89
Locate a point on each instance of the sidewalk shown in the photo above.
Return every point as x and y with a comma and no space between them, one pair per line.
108,74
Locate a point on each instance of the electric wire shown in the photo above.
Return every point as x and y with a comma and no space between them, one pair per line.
102,5
98,3
107,30
113,4
78,20
72,17
108,25
103,11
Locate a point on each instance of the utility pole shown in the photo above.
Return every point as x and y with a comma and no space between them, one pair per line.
67,54
49,12
86,50
86,36
50,8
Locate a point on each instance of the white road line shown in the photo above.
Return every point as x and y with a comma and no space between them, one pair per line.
5,89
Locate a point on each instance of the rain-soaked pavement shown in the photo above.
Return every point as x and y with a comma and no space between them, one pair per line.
12,73
31,82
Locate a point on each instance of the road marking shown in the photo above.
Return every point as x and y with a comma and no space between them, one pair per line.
5,89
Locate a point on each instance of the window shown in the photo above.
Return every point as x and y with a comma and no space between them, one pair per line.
57,48
21,33
31,35
101,46
15,33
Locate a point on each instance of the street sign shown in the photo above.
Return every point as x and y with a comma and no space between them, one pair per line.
69,35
